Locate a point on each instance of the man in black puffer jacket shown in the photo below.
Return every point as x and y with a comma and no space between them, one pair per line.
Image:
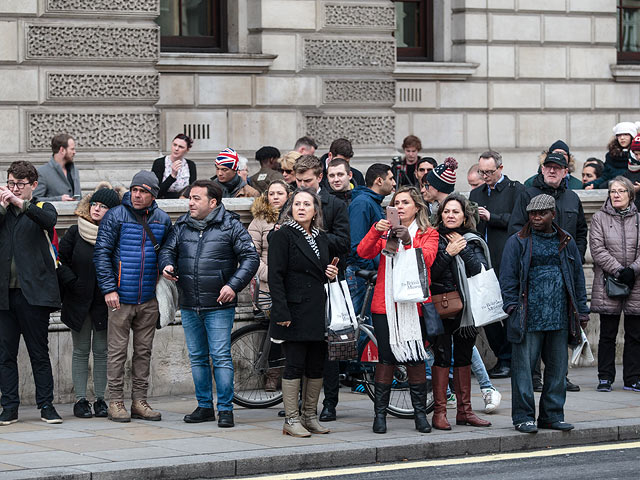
212,257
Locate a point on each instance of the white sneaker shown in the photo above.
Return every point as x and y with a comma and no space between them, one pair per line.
491,399
452,402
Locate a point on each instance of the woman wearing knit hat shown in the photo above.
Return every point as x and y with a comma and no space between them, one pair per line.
83,308
437,184
617,158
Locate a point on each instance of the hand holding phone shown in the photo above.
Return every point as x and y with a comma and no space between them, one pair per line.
392,216
335,261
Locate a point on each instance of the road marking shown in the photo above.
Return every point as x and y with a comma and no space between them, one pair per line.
446,462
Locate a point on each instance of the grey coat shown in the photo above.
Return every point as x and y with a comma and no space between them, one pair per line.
613,240
53,183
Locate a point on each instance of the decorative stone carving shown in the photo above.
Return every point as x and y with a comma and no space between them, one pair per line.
344,53
96,131
116,6
97,87
359,16
92,42
360,129
359,91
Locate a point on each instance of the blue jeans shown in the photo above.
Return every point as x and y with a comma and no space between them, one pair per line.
208,333
357,290
479,370
553,347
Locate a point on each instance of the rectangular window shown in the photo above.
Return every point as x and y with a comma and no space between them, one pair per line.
192,25
629,31
414,30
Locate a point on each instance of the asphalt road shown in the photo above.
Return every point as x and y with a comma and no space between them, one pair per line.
610,462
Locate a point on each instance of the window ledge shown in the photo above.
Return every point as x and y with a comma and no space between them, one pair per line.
625,73
215,62
434,70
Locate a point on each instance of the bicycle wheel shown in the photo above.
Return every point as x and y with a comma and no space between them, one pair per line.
400,400
250,366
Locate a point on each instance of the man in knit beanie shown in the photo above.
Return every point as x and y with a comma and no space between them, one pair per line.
227,178
439,183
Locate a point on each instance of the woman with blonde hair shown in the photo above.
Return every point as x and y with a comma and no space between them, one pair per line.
397,325
287,162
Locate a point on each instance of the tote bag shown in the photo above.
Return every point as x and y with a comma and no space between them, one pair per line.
410,282
485,298
340,313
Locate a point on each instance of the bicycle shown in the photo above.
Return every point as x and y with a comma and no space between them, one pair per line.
400,400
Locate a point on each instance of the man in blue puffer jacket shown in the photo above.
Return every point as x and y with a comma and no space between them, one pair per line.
212,257
127,270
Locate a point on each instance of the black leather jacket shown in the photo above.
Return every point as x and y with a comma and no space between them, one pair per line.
444,273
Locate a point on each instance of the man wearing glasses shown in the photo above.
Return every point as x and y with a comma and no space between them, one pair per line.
496,198
28,289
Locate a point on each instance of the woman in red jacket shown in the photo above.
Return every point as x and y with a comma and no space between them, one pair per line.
397,325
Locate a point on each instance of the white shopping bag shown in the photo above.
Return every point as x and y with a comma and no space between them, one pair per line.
582,356
340,314
485,298
410,283
168,300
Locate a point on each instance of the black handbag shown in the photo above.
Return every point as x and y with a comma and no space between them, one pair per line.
342,345
432,321
615,288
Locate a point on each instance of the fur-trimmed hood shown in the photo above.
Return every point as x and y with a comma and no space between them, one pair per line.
263,210
84,205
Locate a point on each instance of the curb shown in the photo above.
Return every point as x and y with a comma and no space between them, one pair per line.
280,460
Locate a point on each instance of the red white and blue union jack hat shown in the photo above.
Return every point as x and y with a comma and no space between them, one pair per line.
227,158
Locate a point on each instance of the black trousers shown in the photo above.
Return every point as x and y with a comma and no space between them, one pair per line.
32,323
463,343
331,383
304,359
607,348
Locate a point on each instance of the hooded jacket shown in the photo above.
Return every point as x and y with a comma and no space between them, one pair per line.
514,278
264,219
365,210
569,212
124,256
614,241
207,260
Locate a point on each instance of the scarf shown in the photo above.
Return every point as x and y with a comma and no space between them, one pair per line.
311,239
87,230
202,224
634,163
230,188
405,336
182,179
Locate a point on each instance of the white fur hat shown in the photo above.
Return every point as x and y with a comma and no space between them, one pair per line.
626,127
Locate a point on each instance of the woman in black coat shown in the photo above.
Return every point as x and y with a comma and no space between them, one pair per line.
299,266
83,308
455,219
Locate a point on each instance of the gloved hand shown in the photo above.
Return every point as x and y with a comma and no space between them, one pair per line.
584,319
402,233
627,276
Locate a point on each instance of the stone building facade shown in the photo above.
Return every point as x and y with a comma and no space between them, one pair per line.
513,75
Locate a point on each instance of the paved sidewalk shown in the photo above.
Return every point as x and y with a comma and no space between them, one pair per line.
100,449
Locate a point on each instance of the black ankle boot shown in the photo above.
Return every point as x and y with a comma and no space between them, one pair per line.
380,404
419,401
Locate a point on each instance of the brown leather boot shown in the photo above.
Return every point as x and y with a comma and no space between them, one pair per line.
141,410
440,381
117,412
272,378
462,384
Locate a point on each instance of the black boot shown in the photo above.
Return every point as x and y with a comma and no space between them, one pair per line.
380,404
419,401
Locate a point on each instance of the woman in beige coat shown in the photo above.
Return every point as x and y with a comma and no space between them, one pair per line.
266,210
614,241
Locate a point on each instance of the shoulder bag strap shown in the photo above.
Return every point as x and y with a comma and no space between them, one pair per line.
140,219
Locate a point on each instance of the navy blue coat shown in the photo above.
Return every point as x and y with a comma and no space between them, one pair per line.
205,261
514,277
365,210
124,256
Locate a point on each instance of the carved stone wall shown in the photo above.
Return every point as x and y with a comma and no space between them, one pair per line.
96,131
115,6
359,129
359,91
102,87
359,16
349,54
92,42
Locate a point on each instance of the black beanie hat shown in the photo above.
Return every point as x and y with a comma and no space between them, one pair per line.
106,196
443,177
559,145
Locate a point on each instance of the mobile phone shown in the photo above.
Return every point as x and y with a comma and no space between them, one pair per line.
76,197
335,261
392,216
173,274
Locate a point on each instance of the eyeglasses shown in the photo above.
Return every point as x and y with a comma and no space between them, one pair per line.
101,206
618,192
486,173
288,172
20,185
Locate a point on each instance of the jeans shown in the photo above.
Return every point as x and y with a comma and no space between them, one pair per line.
87,339
33,323
357,289
479,370
552,346
607,348
208,334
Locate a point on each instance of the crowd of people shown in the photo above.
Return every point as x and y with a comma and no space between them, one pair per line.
316,219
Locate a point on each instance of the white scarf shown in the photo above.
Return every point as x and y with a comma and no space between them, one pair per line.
87,230
405,336
182,179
